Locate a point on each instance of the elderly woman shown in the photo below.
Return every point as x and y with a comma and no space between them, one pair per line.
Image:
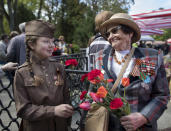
148,91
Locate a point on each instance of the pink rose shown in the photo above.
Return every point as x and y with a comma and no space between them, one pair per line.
85,105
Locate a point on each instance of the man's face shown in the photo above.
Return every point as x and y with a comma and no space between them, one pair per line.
6,40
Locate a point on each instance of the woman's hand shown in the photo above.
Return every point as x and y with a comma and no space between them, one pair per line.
133,121
64,110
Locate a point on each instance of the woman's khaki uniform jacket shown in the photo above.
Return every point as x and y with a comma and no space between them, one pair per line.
35,104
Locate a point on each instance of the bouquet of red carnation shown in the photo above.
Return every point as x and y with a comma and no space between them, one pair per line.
71,63
104,96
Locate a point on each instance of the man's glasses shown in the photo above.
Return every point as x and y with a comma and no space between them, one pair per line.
113,31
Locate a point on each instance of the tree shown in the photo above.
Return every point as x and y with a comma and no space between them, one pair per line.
10,13
23,14
84,29
76,18
51,10
40,9
165,36
1,24
73,18
112,5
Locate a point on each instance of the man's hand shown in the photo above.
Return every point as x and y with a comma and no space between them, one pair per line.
133,121
9,66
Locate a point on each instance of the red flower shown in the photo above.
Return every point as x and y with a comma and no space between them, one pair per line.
95,81
55,49
95,76
109,80
72,62
101,76
85,105
84,77
83,95
95,97
125,82
116,103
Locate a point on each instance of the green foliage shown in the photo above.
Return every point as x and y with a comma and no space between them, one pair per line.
23,14
84,29
31,5
74,19
6,26
165,36
76,48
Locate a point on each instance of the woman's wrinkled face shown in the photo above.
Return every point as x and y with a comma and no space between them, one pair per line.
43,47
118,39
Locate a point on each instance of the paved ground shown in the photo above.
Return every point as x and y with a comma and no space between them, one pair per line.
164,123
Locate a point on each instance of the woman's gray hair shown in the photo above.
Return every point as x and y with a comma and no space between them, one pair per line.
22,27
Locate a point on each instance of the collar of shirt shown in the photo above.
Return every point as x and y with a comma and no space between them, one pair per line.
117,68
120,54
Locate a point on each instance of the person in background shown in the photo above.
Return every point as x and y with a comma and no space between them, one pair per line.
3,48
40,90
97,42
142,44
62,44
165,47
13,34
167,65
16,51
148,45
70,49
56,51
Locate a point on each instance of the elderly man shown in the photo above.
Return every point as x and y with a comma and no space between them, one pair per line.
148,91
16,51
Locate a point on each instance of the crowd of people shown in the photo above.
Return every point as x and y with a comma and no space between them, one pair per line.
61,47
40,89
13,49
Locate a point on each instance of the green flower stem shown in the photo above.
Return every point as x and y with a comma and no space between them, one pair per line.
124,92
